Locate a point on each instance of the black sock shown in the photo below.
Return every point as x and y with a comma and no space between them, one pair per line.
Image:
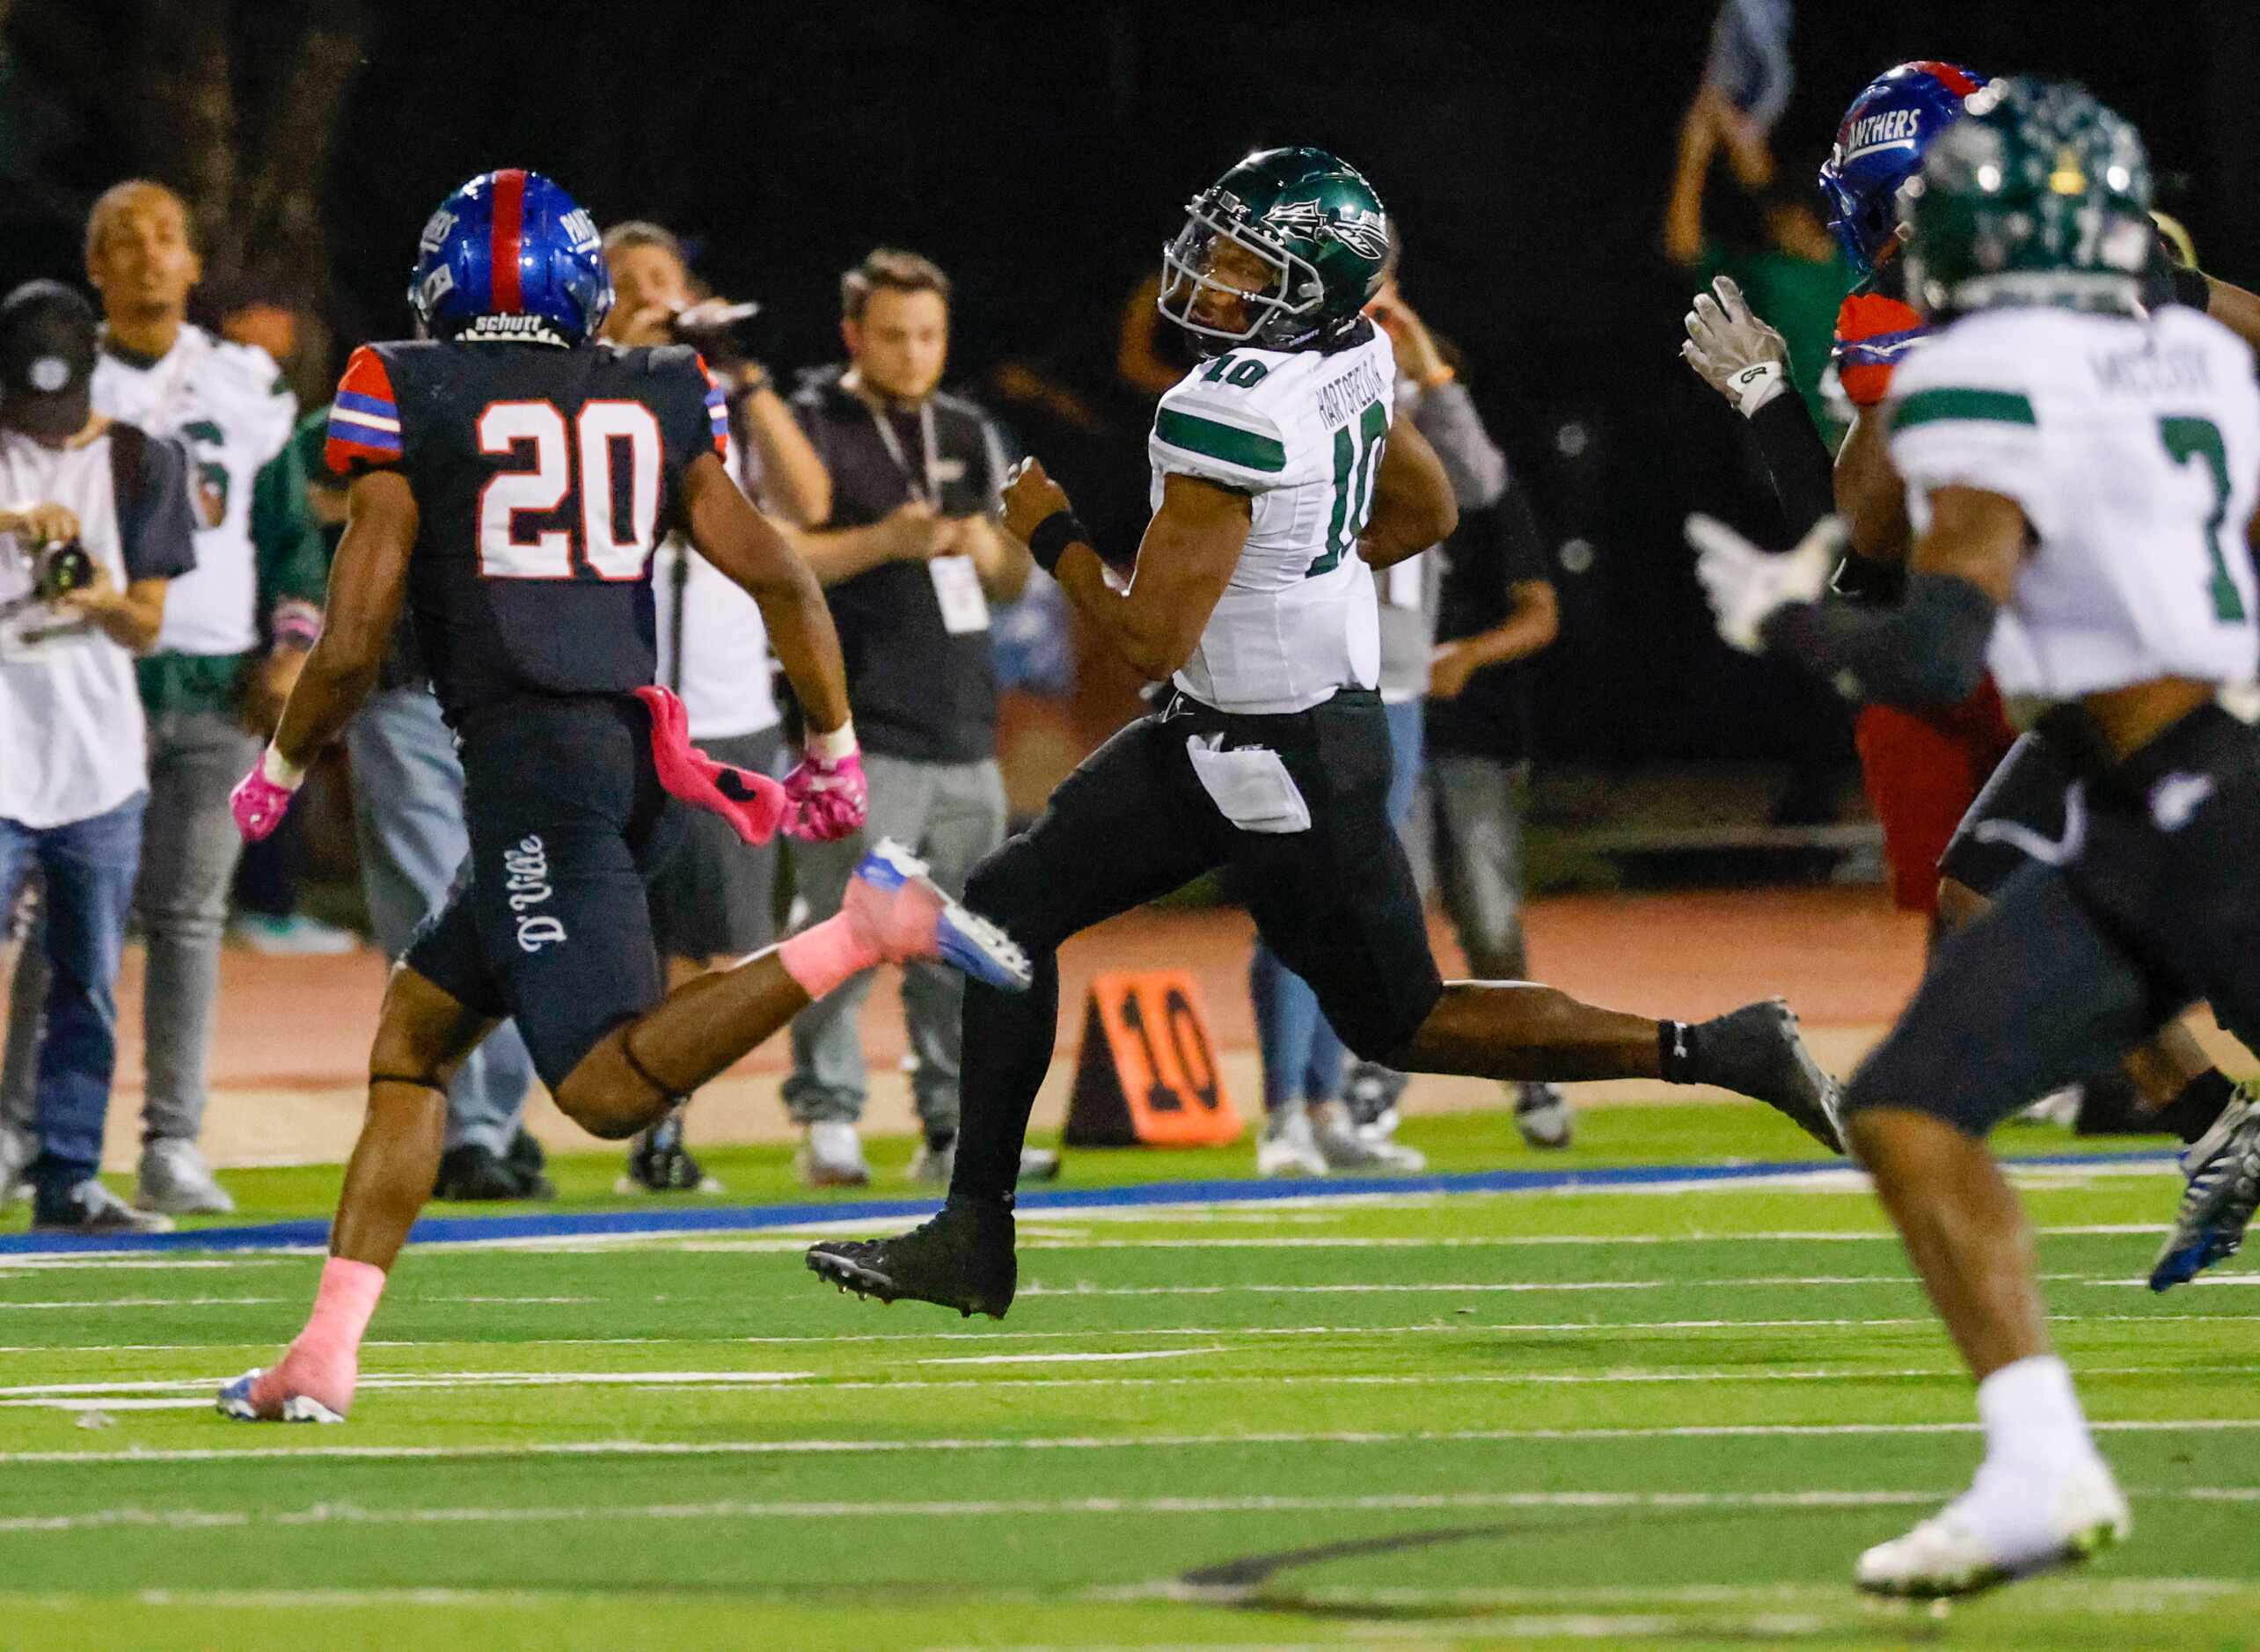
2110,1105
2203,1100
1675,1050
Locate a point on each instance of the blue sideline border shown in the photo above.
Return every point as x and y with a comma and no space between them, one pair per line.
677,1219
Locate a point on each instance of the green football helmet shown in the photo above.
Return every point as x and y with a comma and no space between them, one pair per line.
2038,196
1318,239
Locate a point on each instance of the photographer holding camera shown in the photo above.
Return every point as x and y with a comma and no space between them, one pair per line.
100,520
715,898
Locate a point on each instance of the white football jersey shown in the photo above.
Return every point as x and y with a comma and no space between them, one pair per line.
1302,432
228,405
2132,446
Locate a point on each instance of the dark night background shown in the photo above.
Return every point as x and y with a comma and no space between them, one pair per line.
1042,155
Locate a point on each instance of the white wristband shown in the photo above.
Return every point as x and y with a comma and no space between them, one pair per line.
277,772
834,744
1756,386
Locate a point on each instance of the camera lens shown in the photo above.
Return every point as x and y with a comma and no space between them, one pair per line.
62,568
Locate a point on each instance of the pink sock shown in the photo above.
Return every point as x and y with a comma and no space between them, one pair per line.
343,1302
825,956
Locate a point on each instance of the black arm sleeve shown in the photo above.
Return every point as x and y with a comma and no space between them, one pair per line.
1796,459
1927,651
158,534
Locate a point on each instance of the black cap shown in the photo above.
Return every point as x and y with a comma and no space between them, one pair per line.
47,335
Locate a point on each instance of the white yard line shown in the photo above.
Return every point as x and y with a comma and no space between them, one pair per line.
18,1264
1458,1326
1083,1442
1080,1359
147,1302
348,1513
77,1399
796,1238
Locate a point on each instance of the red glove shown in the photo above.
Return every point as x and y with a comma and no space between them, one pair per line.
753,804
830,797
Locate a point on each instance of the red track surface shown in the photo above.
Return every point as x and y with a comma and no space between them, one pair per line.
1842,956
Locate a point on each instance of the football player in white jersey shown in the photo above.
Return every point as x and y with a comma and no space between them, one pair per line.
1280,480
2080,476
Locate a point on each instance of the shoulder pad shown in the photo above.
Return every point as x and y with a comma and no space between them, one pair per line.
1216,430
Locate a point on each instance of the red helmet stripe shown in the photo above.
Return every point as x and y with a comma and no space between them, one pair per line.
1953,77
508,238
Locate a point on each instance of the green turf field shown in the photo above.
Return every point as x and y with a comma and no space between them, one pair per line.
1665,1417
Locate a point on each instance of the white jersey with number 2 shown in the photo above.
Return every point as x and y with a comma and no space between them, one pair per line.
2132,445
1301,431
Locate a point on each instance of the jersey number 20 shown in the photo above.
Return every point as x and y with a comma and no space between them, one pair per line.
609,454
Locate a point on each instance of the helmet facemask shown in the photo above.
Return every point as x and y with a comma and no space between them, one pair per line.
1272,314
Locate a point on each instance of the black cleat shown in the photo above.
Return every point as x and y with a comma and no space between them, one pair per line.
660,1163
1756,1050
473,1172
961,1258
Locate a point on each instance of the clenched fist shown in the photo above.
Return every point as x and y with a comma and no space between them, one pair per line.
1029,497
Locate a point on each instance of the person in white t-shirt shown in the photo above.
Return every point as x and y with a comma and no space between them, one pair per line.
716,899
236,634
97,521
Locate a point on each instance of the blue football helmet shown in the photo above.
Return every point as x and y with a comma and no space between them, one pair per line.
509,255
1881,145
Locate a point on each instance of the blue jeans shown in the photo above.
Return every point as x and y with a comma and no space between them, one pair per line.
408,812
1302,1056
188,854
87,870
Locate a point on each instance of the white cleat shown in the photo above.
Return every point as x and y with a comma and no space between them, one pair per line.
1946,1555
176,1181
1336,1134
1286,1147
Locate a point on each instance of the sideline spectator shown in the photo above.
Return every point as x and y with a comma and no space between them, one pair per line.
268,918
716,898
1497,608
408,817
236,634
105,525
1310,1127
911,558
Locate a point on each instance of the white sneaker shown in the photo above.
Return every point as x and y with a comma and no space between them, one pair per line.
296,936
92,1208
1286,1148
1542,1115
931,1166
2006,1525
18,1149
831,1156
1335,1133
2058,1107
175,1179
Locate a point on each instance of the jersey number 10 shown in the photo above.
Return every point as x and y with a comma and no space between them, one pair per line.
608,454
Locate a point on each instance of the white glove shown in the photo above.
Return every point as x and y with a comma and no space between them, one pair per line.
1736,353
1747,585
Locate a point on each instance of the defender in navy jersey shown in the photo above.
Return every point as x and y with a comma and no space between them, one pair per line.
511,480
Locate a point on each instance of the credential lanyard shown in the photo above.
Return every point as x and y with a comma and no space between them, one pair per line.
922,484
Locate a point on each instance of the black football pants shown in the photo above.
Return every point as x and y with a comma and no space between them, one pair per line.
1336,901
